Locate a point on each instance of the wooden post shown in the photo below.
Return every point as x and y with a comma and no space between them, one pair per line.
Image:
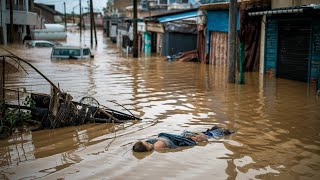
241,52
94,27
80,27
2,99
2,96
232,41
95,31
91,24
135,30
65,16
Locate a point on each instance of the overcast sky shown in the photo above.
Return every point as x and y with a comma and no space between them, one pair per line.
74,4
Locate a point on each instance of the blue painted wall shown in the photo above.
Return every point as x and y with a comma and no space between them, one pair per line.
271,46
218,21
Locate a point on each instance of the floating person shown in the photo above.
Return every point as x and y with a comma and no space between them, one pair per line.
171,141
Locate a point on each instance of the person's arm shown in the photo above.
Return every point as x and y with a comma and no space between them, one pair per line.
159,145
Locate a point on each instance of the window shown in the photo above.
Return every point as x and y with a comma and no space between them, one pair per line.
75,52
43,44
86,52
57,52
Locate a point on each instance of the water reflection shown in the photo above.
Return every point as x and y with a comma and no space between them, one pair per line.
276,120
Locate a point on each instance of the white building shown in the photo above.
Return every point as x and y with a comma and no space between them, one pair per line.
23,19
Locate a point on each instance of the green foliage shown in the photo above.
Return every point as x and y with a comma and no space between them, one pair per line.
13,117
29,102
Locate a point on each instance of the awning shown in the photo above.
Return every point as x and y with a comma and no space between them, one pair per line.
290,10
280,11
174,17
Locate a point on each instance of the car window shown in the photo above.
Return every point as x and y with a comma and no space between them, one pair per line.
61,52
37,44
48,45
86,52
75,52
43,44
57,52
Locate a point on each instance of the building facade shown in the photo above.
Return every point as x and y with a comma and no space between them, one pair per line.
13,29
292,40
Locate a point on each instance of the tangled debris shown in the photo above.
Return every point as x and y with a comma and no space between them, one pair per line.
53,110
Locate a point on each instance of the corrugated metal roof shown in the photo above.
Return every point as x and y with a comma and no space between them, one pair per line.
179,16
286,10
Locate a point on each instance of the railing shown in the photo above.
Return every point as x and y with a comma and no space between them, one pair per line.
17,7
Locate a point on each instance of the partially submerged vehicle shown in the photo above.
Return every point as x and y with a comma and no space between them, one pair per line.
41,43
71,52
49,111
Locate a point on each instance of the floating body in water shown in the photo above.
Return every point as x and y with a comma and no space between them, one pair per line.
187,138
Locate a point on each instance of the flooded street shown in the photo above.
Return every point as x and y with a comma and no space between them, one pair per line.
277,121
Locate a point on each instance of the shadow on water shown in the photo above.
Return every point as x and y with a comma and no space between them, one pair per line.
276,120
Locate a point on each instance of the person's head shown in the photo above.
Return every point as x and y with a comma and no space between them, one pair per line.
142,146
199,137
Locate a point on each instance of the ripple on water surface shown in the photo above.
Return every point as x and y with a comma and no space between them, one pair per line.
276,121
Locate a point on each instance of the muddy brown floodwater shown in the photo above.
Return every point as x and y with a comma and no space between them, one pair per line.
277,122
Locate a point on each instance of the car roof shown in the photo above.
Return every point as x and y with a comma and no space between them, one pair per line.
70,47
42,41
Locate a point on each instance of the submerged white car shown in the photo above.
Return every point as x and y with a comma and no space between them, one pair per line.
42,43
70,52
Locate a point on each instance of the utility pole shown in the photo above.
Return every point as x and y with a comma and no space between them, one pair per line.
232,40
1,13
2,96
91,24
65,16
241,52
135,30
80,23
94,26
11,22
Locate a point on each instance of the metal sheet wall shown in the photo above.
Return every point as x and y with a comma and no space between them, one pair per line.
174,43
218,48
294,43
315,66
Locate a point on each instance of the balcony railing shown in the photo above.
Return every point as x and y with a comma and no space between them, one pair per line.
17,7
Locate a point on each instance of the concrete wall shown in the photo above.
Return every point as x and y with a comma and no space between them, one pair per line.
292,3
22,18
